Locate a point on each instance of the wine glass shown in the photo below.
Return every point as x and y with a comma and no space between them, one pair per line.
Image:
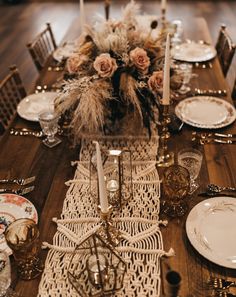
178,35
191,159
5,273
49,123
186,70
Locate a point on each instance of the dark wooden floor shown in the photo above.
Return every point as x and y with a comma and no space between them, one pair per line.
20,23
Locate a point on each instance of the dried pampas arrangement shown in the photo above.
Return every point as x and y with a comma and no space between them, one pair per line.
112,75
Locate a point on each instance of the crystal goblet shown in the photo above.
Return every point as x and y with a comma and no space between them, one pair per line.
49,123
22,236
175,186
191,159
186,70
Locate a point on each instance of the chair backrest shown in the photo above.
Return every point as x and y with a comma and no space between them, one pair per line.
234,92
11,93
42,47
225,49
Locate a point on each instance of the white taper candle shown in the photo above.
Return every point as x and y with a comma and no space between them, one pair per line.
82,15
163,4
101,180
166,80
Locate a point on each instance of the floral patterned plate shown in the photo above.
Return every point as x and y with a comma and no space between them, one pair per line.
14,207
206,112
210,227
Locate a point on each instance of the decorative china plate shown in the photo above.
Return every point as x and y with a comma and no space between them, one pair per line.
193,52
206,112
210,227
64,52
31,106
14,207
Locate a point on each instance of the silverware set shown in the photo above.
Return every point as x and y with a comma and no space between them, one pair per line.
210,92
203,65
30,132
221,287
20,182
213,190
206,138
26,132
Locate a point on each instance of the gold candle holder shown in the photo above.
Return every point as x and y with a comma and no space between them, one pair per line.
163,18
107,9
107,231
164,157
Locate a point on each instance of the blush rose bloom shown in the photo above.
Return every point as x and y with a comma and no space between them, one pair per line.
105,65
75,61
155,82
140,59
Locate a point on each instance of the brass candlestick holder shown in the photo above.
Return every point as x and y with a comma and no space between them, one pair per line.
165,158
163,18
107,9
107,231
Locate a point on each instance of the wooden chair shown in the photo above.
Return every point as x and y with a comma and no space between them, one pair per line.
234,92
225,49
42,47
11,93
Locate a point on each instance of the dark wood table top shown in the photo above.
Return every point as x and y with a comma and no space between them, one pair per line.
26,156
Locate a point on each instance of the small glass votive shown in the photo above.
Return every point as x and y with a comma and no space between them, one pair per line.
97,267
22,236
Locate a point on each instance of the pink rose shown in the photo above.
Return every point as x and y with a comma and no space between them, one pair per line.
155,82
75,62
140,59
105,65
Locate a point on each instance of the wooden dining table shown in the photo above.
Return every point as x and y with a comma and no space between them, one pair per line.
28,156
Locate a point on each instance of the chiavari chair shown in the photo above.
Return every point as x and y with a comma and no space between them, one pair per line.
42,47
11,93
225,49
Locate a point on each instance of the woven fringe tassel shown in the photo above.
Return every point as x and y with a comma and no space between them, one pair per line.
170,253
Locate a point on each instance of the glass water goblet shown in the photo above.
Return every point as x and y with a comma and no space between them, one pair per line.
5,273
49,123
186,70
191,159
175,188
178,35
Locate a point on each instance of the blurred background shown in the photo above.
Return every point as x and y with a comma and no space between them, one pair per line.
21,20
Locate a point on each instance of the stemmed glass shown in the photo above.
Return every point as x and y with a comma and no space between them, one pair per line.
191,159
49,123
186,70
177,37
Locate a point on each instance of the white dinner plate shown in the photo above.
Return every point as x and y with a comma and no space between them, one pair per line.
64,52
14,207
206,112
210,227
31,106
193,52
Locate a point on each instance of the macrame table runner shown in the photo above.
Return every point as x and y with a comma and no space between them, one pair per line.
141,246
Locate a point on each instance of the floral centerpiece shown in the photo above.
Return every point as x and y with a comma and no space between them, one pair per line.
115,73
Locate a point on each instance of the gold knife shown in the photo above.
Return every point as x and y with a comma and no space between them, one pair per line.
18,191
